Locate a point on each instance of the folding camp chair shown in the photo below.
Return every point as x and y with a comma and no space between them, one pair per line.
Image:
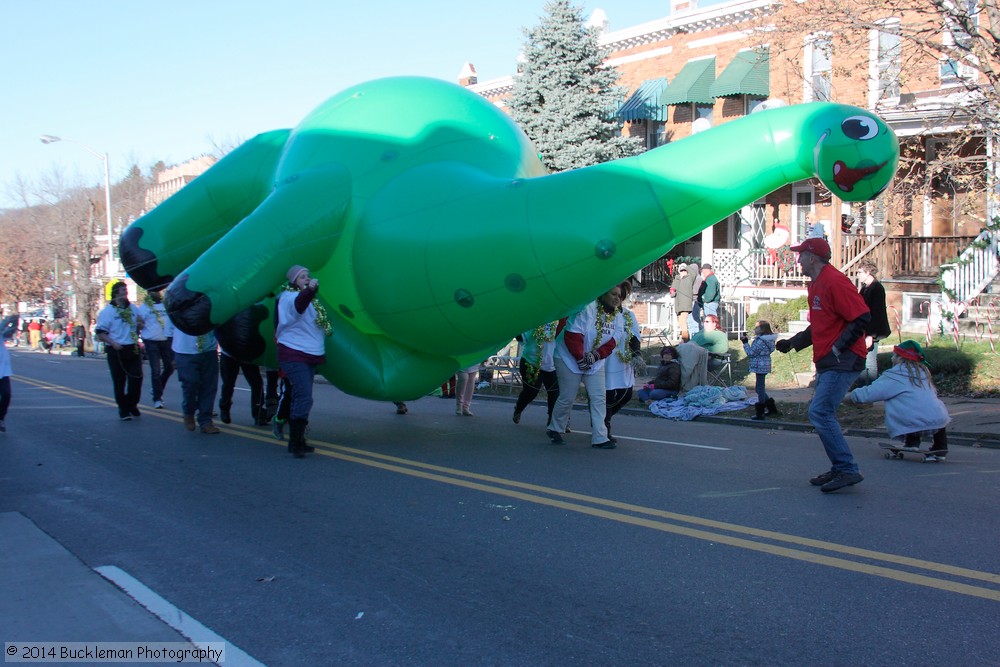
720,368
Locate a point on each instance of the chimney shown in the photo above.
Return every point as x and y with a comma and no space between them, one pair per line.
467,77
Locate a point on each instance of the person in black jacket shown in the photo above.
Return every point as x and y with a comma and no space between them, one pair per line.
873,293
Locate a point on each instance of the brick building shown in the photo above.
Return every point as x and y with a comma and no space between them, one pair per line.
703,66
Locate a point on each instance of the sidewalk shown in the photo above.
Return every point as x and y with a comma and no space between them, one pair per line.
51,597
974,421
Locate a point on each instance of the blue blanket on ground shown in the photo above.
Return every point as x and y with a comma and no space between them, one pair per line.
703,400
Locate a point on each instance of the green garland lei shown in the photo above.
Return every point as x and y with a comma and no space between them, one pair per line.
152,306
624,351
322,317
127,317
601,320
545,333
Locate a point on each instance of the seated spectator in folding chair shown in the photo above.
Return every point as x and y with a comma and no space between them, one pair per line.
694,365
715,341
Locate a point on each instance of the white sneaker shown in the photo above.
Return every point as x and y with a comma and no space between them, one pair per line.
158,405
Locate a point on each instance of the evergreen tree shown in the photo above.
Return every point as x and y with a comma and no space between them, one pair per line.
565,98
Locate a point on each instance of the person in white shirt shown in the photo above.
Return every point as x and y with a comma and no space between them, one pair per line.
118,325
589,338
301,334
619,371
538,369
157,335
197,360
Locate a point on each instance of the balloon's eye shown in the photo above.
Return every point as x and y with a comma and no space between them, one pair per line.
861,128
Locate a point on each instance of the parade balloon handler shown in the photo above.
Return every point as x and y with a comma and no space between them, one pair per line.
537,368
303,326
118,326
589,338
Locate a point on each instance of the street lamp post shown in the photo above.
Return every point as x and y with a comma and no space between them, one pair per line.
51,139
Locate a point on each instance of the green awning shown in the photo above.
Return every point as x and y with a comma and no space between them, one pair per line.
644,104
692,83
749,73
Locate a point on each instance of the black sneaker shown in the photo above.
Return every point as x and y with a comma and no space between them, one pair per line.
555,437
607,444
135,412
821,479
126,418
841,480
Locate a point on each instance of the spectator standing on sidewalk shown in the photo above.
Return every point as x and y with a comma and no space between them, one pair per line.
710,292
683,288
873,293
837,320
759,353
694,319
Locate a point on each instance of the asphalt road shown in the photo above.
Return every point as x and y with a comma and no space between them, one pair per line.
434,539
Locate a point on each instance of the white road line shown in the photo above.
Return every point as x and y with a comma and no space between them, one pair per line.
197,633
662,442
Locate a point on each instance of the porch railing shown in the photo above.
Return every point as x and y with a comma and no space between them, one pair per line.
896,256
977,266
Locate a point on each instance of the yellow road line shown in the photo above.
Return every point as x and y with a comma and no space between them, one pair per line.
496,485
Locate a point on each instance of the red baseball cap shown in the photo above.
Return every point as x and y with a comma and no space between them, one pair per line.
818,247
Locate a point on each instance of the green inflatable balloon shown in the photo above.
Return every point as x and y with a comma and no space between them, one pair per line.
437,234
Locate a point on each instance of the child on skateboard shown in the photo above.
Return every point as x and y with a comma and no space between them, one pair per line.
912,407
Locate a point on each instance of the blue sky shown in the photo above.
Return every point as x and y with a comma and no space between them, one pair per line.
147,81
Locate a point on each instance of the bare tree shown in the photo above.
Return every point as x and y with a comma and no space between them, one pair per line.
940,63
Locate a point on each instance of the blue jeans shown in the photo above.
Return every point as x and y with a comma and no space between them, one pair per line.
870,373
712,308
694,319
831,387
199,376
655,394
300,376
759,388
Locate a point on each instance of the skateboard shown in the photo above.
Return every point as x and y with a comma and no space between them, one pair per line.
894,451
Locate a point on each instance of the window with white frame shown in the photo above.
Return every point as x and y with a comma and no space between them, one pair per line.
818,68
885,61
958,62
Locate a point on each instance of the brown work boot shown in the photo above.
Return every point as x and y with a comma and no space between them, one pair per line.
189,422
210,429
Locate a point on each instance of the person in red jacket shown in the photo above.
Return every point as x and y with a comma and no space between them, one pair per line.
838,318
